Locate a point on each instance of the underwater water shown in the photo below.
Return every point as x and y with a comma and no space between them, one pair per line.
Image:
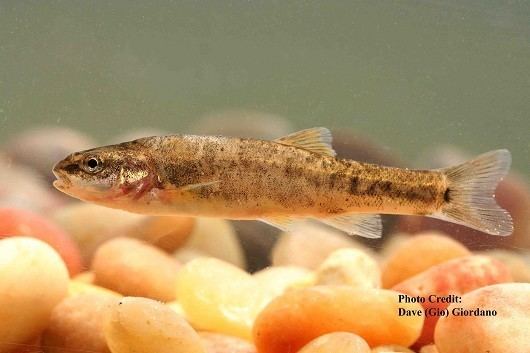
410,84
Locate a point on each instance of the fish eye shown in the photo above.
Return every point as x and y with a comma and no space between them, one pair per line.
92,164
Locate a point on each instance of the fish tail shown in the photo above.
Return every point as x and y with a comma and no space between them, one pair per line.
469,197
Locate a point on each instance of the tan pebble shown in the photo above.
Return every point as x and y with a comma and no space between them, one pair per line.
392,348
308,246
351,267
77,288
417,254
142,325
22,187
431,348
219,343
337,342
507,331
277,279
78,322
165,232
177,307
185,254
133,267
85,277
217,238
91,225
33,279
519,266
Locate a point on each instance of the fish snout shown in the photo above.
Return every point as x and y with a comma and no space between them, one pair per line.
60,172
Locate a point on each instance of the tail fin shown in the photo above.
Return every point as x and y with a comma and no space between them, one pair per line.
470,194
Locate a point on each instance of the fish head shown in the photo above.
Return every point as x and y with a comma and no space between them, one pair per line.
100,174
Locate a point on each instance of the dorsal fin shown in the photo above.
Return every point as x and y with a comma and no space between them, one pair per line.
317,140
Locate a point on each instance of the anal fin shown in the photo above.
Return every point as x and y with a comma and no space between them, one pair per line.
362,224
282,223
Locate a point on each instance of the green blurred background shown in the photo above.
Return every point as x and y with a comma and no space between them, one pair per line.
409,74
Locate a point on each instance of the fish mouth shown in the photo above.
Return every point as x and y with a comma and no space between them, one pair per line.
63,181
59,184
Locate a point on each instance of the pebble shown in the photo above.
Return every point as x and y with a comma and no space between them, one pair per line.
141,325
300,315
218,296
337,342
308,245
405,262
91,225
136,268
515,261
22,187
77,322
453,277
79,288
219,343
275,280
230,298
431,348
392,348
165,232
351,267
85,277
506,332
22,222
33,279
217,238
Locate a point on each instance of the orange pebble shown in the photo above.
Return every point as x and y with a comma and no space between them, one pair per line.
454,277
21,222
300,315
419,253
133,267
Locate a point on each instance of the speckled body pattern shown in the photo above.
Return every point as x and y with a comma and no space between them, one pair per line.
257,179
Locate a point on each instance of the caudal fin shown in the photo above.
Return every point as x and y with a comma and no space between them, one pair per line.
470,194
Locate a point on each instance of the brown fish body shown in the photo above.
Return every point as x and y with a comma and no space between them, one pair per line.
255,179
293,177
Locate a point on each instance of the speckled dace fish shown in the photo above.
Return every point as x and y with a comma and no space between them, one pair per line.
292,178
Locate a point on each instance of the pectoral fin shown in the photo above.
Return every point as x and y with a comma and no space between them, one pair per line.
198,185
317,140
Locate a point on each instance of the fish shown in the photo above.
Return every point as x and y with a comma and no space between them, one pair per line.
281,182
